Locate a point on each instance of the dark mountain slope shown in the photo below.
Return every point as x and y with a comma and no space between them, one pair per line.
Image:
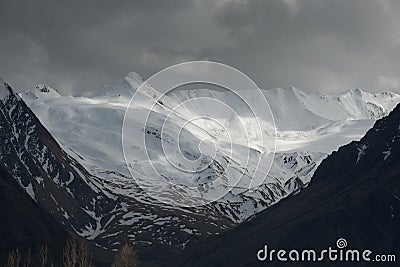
355,194
53,179
44,192
23,224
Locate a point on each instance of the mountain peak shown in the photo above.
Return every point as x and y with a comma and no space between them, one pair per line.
43,88
40,91
47,90
134,76
123,87
5,90
357,92
134,80
291,88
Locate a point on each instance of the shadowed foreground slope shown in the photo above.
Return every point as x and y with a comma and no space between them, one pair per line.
23,224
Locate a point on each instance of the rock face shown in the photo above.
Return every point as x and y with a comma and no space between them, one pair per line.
355,194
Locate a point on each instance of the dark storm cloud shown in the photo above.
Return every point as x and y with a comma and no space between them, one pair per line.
330,45
320,45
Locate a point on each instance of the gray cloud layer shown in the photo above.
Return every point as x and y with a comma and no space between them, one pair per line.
329,45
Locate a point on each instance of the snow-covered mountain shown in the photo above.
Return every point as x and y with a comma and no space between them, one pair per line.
67,155
309,126
81,202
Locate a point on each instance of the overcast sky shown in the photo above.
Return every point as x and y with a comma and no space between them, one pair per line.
315,45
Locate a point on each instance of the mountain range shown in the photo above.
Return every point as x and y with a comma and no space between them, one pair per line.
67,155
